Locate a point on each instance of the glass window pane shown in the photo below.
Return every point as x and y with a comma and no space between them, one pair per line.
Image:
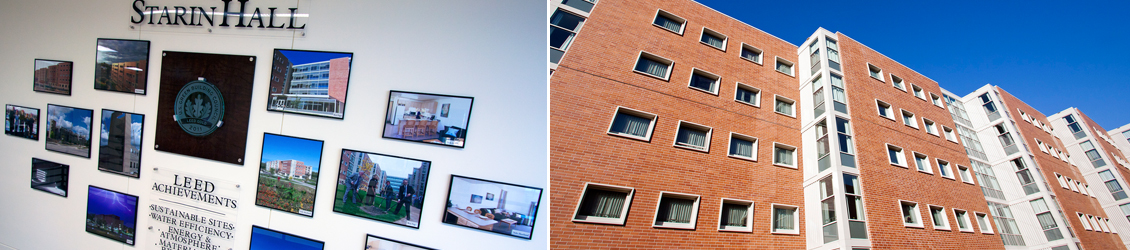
566,20
559,38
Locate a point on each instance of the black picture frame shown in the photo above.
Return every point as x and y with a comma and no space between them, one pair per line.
369,237
420,193
105,153
62,148
18,131
255,230
101,71
451,135
280,78
69,70
46,175
454,217
104,233
264,166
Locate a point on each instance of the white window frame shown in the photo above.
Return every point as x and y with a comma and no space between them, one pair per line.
917,215
756,97
937,100
898,82
792,67
878,72
760,54
1062,182
963,218
918,91
890,110
725,39
749,216
925,160
709,134
1040,145
945,218
948,167
773,219
694,211
1082,188
901,155
714,87
1094,225
965,174
777,145
743,137
779,98
1083,220
670,65
650,129
913,119
1089,191
984,224
950,135
673,17
1073,185
597,220
930,127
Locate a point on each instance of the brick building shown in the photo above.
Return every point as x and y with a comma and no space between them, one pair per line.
128,76
674,126
314,88
55,78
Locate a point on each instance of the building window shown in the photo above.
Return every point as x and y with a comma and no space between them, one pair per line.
1083,220
910,214
814,58
784,66
1062,181
921,162
944,169
917,91
839,97
822,148
1010,233
785,219
896,155
1092,154
990,108
676,211
936,100
885,109
1074,126
713,38
897,82
693,136
817,97
949,134
1112,185
784,155
1006,140
833,53
1025,177
669,22
857,226
938,214
1041,145
1047,223
743,146
929,126
653,65
1082,188
736,216
604,204
632,124
1125,210
908,119
748,95
963,172
875,72
983,223
847,149
828,209
1072,186
705,81
751,53
962,218
563,27
784,106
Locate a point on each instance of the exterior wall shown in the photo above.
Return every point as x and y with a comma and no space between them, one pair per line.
339,80
54,77
280,75
128,80
597,76
1120,138
1107,151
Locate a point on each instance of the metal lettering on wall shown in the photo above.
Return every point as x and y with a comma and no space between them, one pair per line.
190,211
242,16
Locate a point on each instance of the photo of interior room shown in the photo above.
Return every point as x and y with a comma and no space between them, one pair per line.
427,118
510,212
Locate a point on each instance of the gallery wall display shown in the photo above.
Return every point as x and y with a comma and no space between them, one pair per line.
288,173
309,82
267,239
52,76
50,176
122,65
21,121
512,213
119,144
204,104
381,187
68,130
373,242
428,118
111,214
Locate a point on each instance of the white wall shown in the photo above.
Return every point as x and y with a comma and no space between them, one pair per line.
492,52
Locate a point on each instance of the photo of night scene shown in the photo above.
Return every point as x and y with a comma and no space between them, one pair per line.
111,214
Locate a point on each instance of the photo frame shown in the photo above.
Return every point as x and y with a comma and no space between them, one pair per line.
309,82
119,144
50,177
373,242
476,199
445,110
20,121
513,214
53,76
288,173
411,116
386,184
268,239
204,105
490,196
111,214
122,65
68,130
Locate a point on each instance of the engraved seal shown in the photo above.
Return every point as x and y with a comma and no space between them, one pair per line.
199,108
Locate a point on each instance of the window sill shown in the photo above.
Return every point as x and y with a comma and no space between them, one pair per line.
788,74
899,165
748,103
785,232
681,226
942,229
737,230
743,158
643,139
965,230
910,126
888,118
913,226
680,33
925,172
934,134
712,46
784,166
949,177
715,93
667,79
878,79
758,62
617,222
919,97
970,183
704,149
983,232
793,116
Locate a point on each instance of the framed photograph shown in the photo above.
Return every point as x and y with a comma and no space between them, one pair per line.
21,121
267,239
111,214
309,82
490,196
203,105
68,130
288,173
373,242
49,176
52,76
513,213
476,199
381,187
119,144
413,116
122,65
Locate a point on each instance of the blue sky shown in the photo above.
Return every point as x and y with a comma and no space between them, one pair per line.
277,147
1052,55
77,120
135,126
304,57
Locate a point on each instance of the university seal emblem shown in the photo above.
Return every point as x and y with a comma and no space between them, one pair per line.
199,108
